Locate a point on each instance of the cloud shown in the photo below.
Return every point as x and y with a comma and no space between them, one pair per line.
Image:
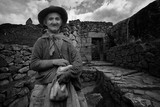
114,10
142,4
9,6
66,3
14,18
18,11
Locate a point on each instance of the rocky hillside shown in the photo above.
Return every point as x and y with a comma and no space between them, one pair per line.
135,42
143,26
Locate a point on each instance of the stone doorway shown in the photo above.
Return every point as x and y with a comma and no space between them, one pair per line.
97,49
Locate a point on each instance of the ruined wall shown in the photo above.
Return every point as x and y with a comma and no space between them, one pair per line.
19,34
144,26
17,79
78,32
134,42
141,56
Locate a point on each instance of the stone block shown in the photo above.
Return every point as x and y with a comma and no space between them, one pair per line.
18,76
9,59
8,47
14,69
7,52
140,92
24,69
3,62
4,82
24,91
138,101
4,76
4,70
16,47
19,84
18,60
31,73
153,95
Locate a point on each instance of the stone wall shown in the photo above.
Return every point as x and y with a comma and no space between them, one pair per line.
19,34
78,32
140,56
17,79
112,96
134,42
143,25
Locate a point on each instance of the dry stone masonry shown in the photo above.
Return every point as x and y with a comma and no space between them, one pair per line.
16,79
134,42
81,34
139,89
131,44
141,56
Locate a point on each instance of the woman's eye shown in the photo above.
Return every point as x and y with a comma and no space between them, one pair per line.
57,18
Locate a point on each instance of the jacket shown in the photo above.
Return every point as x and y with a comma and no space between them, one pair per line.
41,53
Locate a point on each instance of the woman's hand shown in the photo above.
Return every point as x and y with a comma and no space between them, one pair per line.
64,77
60,62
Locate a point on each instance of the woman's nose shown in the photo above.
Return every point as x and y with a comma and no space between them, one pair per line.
53,21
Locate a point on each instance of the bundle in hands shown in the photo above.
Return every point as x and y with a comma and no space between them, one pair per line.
58,91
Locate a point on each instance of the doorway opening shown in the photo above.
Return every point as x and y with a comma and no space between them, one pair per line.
97,49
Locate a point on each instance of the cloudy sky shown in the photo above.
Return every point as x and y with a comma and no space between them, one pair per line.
18,11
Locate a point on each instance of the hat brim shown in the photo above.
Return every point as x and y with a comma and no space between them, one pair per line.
53,9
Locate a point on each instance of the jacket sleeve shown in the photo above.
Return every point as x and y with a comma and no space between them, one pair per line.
37,63
76,61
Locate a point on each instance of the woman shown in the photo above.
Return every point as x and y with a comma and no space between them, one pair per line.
51,51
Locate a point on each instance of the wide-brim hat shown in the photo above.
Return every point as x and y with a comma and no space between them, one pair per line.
53,9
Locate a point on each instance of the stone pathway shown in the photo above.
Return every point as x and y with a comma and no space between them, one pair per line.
141,88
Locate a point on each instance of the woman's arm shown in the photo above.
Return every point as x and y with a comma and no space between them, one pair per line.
76,68
76,61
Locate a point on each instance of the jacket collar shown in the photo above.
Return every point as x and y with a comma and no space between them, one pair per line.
60,36
49,36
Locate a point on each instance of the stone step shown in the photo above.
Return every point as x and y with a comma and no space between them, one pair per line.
99,63
141,88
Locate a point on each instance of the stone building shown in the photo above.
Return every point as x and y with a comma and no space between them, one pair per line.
89,38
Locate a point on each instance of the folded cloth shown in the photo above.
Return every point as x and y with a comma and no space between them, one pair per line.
63,74
62,69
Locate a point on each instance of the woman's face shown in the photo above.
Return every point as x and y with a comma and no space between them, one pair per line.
53,22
